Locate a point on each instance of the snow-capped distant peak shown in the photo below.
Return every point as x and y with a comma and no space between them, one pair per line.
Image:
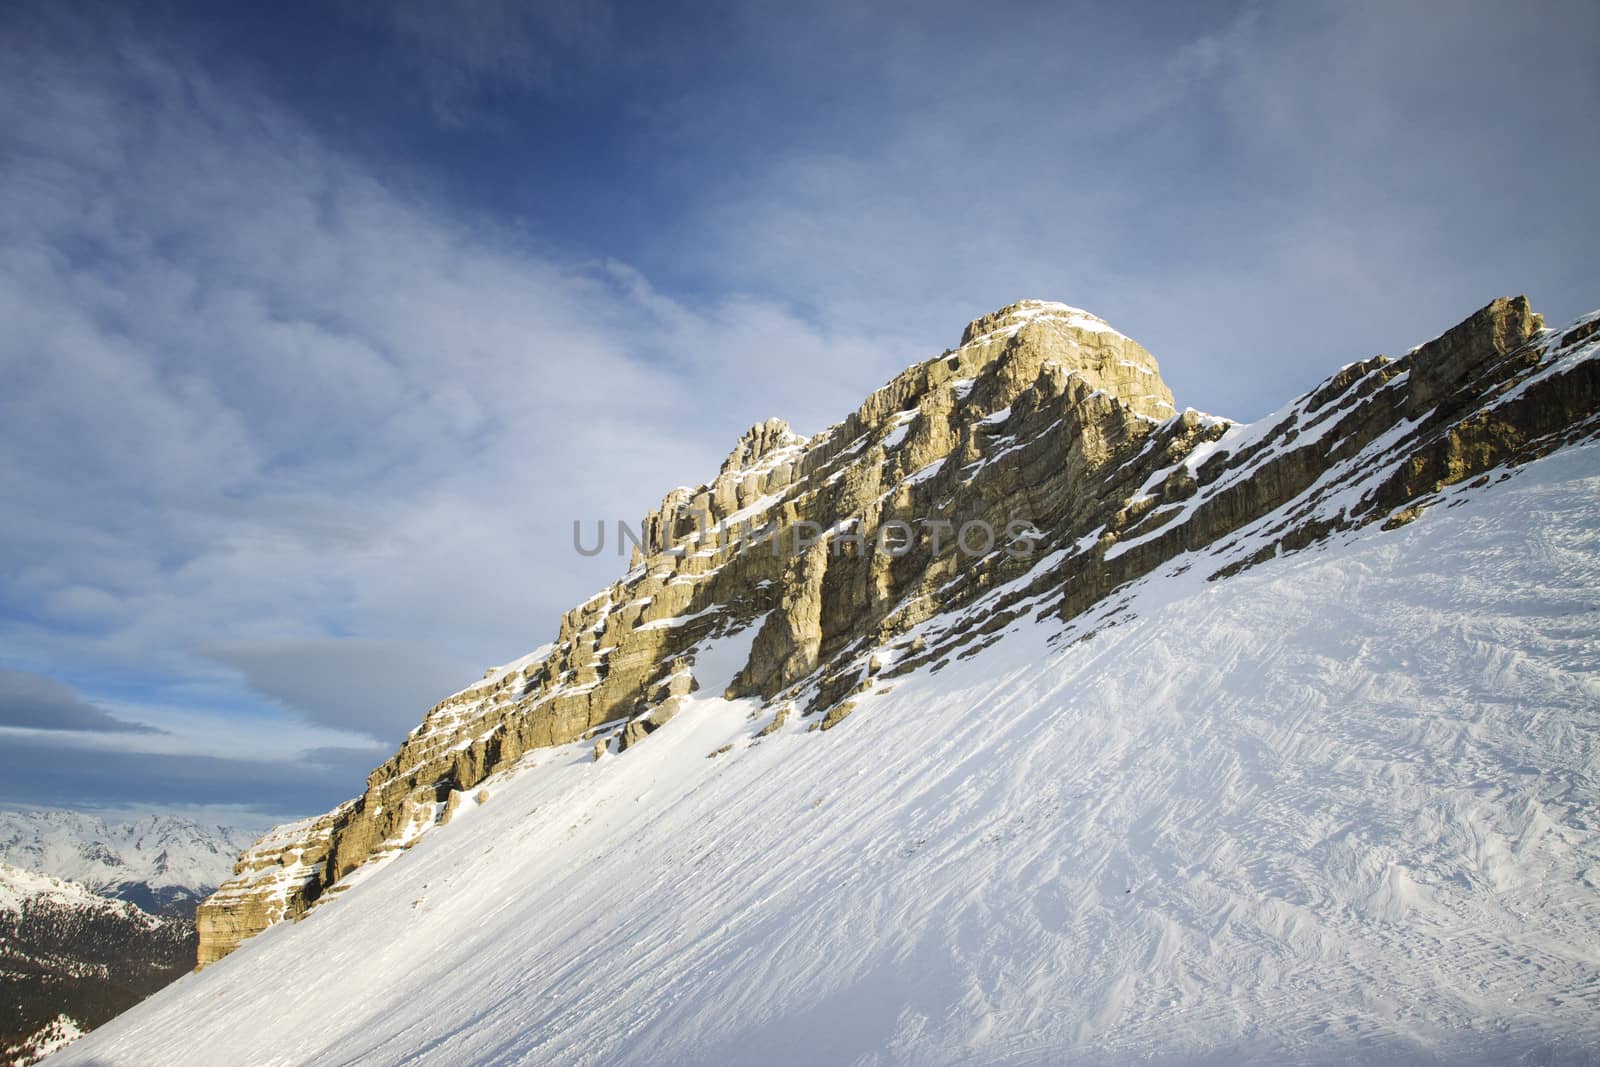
149,858
23,891
19,887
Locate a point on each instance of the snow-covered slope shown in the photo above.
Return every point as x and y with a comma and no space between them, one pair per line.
1340,807
155,860
53,1036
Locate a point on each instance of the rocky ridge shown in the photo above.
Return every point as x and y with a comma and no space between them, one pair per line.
1037,468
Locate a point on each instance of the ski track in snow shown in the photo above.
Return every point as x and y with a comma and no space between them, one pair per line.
1339,808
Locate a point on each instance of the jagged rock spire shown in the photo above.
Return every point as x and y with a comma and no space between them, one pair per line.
759,441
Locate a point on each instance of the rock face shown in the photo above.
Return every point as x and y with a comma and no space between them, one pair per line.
278,877
1039,463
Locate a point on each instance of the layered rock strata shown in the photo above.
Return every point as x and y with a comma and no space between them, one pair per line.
1031,471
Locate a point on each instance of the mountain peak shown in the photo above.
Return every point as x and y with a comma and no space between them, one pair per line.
1031,473
152,859
760,441
1002,324
1030,337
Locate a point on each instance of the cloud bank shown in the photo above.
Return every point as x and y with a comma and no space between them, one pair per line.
32,702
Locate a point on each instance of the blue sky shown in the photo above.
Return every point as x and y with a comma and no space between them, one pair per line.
324,321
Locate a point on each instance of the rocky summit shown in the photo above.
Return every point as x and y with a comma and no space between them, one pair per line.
1036,469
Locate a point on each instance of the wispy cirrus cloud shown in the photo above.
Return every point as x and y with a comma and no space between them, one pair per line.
283,433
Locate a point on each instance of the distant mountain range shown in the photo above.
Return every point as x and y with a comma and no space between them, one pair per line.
163,863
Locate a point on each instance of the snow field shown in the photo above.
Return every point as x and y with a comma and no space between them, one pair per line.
1339,808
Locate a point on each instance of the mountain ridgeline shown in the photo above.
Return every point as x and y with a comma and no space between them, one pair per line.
164,863
1039,467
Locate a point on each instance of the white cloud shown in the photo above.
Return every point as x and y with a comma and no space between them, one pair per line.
264,401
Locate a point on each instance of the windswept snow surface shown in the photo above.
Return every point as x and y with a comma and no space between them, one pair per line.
1339,808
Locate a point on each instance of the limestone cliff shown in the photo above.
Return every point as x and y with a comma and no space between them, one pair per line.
1036,468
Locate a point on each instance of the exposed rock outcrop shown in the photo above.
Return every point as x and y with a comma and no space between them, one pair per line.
278,877
1033,470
